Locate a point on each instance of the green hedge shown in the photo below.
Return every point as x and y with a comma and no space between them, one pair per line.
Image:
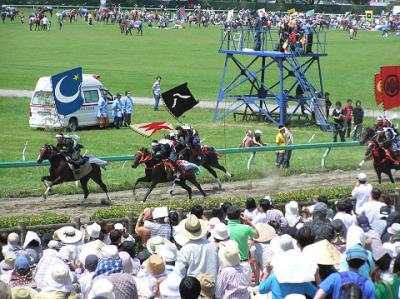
306,195
46,218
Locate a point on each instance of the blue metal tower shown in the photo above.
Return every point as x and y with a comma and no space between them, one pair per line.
264,81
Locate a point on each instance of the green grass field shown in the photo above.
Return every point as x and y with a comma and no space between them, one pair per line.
188,55
26,181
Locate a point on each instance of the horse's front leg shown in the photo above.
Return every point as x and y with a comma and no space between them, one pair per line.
142,179
50,184
152,186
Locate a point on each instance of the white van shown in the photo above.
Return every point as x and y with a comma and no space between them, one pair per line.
44,115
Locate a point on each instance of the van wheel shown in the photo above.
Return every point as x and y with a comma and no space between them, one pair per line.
73,124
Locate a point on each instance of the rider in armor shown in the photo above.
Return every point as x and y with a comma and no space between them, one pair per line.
70,149
190,137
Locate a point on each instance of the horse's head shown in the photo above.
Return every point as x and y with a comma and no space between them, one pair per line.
46,152
141,156
367,136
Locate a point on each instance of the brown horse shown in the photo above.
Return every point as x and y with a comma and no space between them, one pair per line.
60,172
160,172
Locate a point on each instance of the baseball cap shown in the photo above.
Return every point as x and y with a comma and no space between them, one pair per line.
384,212
362,177
363,222
356,252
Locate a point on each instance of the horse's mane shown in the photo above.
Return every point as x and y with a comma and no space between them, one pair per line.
143,149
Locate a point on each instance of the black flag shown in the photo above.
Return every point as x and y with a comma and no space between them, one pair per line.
179,100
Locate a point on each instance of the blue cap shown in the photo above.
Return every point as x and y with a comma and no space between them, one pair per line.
356,252
21,262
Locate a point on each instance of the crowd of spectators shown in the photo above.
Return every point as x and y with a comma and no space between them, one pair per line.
256,251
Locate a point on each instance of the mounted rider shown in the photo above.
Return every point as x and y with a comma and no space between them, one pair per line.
164,149
70,149
387,138
189,137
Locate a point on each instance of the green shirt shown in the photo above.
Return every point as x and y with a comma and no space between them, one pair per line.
241,234
389,289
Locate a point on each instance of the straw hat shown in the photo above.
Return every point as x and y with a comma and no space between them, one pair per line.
266,232
152,243
69,235
207,283
9,261
323,253
93,230
229,253
23,293
193,228
220,232
180,239
102,288
155,264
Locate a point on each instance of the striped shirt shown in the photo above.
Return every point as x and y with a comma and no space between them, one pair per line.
231,283
159,229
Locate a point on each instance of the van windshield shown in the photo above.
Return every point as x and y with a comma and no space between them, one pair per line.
43,98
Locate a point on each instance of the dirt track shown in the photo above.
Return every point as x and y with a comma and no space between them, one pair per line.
68,204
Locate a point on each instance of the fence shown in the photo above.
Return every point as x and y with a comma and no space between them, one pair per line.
327,145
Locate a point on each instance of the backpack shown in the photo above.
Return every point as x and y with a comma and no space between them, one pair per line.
351,289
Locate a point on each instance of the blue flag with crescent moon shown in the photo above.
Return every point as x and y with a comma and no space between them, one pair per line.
67,91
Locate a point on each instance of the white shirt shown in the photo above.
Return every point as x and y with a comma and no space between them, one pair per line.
347,219
361,193
84,281
372,210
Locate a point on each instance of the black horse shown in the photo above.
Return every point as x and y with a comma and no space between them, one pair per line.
60,172
160,172
209,160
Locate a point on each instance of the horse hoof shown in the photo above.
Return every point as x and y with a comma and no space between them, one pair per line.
105,201
171,192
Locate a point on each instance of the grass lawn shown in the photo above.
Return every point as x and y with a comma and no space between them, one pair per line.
188,55
26,181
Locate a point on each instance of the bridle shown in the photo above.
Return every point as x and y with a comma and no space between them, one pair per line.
144,157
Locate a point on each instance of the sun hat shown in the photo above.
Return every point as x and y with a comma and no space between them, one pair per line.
101,288
31,236
153,242
9,261
53,244
363,222
220,232
13,239
362,177
58,278
119,226
110,252
180,239
69,234
292,266
266,232
21,262
93,230
193,228
229,253
67,253
323,253
394,229
356,252
23,293
292,208
320,207
169,288
212,223
127,263
207,283
168,252
155,264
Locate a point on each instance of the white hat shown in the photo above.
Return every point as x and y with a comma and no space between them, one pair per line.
152,243
229,253
119,226
58,278
93,230
193,228
31,236
13,239
67,252
282,243
362,177
257,132
9,261
220,232
53,244
168,252
110,252
394,229
212,222
169,288
292,208
69,235
102,288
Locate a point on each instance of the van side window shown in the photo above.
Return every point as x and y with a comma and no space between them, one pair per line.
91,96
106,95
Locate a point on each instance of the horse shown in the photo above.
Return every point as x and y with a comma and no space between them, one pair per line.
160,172
60,172
209,160
43,9
35,21
382,163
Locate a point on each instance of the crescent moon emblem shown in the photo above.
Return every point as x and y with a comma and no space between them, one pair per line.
61,97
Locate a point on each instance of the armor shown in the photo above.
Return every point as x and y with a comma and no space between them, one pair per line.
70,149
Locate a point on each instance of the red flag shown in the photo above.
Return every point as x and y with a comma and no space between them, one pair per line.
390,76
378,89
148,130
